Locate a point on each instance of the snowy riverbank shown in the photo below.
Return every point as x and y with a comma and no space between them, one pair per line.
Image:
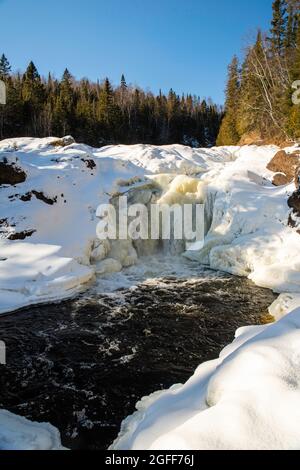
54,209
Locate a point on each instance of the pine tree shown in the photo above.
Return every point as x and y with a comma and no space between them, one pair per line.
250,114
109,112
33,94
174,115
290,34
123,83
5,68
99,114
64,107
228,133
106,102
278,29
294,118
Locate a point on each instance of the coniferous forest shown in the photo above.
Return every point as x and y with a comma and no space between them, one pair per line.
100,114
259,105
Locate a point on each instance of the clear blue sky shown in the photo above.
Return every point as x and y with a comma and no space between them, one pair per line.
184,44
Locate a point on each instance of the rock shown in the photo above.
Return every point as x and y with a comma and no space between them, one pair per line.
294,201
39,195
89,163
68,140
21,235
280,179
285,164
294,204
297,178
11,174
63,142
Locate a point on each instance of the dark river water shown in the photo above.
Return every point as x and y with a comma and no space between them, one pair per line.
83,364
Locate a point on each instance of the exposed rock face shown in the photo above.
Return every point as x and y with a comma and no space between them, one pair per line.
11,174
285,166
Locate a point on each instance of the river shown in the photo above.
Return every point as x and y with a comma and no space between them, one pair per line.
82,364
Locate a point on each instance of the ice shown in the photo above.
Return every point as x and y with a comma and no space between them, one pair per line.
17,433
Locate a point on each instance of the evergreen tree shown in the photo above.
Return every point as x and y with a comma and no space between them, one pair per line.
64,106
123,83
278,26
106,102
290,34
294,117
33,94
250,115
5,68
98,114
228,133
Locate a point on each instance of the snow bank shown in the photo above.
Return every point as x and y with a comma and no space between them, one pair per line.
249,234
249,398
17,433
54,210
35,273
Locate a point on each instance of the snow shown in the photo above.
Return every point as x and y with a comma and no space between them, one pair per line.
249,234
248,398
63,253
17,433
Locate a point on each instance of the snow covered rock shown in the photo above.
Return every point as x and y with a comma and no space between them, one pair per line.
17,433
284,165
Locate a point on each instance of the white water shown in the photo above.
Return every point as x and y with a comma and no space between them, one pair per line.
151,269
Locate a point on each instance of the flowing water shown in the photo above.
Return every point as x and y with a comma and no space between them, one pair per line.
82,364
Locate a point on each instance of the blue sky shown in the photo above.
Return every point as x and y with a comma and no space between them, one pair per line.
184,44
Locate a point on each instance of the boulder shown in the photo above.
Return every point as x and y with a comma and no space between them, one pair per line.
297,178
68,140
280,179
285,164
11,173
63,142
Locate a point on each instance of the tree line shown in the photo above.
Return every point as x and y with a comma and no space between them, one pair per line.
100,114
259,92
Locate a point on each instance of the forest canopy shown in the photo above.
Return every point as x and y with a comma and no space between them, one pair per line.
100,114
